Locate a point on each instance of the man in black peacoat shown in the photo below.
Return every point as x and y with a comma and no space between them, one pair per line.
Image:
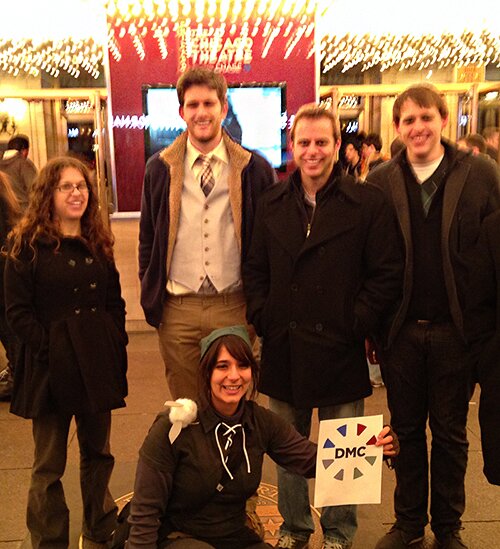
323,272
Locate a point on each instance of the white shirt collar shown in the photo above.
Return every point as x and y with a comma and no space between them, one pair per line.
219,153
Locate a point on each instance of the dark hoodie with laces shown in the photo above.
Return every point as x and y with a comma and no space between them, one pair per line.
177,485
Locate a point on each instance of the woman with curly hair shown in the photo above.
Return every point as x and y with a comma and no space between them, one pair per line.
9,214
63,300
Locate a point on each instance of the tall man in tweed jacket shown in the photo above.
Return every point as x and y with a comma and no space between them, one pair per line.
196,221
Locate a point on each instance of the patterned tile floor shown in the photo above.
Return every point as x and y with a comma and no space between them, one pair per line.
147,392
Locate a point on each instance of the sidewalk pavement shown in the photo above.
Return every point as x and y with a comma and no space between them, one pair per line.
147,392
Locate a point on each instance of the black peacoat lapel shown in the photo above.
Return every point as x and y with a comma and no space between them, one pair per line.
288,223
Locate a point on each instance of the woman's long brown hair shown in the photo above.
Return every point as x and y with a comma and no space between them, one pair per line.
38,220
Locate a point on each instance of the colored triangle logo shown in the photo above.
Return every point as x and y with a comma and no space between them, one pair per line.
339,475
328,444
327,463
371,459
372,441
342,430
361,428
357,473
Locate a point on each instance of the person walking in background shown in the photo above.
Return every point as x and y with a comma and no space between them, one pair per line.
473,142
354,167
197,209
352,164
63,301
20,169
323,272
490,135
371,154
440,196
9,214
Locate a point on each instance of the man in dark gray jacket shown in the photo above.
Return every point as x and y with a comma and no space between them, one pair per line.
439,196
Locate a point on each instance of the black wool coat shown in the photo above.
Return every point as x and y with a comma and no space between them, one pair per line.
66,308
471,193
482,328
315,298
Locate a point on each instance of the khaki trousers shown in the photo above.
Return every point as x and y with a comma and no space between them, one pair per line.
185,321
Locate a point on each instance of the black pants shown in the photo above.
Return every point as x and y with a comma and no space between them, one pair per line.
47,514
427,375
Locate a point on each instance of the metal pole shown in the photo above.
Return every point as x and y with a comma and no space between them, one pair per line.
99,155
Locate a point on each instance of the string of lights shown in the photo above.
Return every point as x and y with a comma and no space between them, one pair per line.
408,51
52,56
210,19
395,33
73,38
57,35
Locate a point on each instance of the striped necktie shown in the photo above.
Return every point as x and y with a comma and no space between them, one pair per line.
207,180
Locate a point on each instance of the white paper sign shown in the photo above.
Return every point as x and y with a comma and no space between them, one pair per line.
349,465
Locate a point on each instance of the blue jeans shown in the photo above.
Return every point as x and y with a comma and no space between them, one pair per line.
338,523
427,375
375,373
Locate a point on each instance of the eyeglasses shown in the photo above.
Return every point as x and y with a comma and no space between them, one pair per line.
67,188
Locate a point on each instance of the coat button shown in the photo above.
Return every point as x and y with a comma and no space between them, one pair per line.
76,289
71,262
77,311
293,324
319,327
89,260
294,287
93,285
93,309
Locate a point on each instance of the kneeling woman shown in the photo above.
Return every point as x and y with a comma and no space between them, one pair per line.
192,484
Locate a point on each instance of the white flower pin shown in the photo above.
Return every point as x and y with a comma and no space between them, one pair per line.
183,411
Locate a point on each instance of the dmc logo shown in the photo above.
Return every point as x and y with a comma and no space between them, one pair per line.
339,452
350,452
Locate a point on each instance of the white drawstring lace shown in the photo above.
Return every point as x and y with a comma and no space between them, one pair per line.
230,431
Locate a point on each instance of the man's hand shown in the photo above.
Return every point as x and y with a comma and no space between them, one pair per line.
389,440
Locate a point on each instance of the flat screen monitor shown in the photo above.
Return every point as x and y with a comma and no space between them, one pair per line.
256,118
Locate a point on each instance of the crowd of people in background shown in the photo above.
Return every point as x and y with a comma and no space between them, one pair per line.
253,284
